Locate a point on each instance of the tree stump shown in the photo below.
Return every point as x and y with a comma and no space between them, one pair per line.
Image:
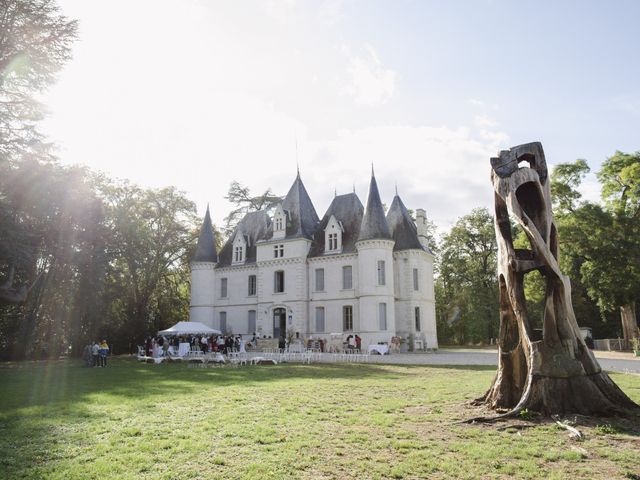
557,374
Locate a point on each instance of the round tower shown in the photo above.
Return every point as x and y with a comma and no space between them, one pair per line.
201,308
375,273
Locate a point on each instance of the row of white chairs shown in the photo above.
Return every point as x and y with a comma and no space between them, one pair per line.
316,356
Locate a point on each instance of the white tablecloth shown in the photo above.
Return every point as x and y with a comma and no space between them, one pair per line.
381,349
183,349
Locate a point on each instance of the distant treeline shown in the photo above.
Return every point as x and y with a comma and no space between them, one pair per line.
84,257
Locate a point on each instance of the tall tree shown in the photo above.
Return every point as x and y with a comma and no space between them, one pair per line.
240,196
51,231
153,233
35,41
466,287
603,240
620,179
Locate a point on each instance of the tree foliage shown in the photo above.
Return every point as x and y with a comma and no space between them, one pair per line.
35,41
601,242
240,196
111,259
467,287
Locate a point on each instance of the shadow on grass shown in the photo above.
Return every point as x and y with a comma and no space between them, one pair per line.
35,384
38,384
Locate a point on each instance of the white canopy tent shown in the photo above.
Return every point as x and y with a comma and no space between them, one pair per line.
189,328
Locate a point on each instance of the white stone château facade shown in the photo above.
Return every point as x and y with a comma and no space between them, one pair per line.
292,274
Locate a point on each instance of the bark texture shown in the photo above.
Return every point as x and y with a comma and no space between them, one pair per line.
557,374
629,322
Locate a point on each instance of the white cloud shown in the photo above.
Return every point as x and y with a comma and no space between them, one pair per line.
370,82
441,169
331,11
476,102
629,103
484,121
282,11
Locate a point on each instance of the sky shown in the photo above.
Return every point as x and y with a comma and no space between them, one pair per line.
196,94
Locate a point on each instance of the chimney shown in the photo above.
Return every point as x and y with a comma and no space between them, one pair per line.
421,223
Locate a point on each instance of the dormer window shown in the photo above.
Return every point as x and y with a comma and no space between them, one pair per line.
333,236
279,223
239,252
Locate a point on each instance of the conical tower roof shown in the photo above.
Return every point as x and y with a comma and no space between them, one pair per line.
403,229
206,249
303,218
374,225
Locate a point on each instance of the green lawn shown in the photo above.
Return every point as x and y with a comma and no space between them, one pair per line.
141,421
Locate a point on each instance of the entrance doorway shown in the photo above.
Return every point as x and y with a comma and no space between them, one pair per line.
280,326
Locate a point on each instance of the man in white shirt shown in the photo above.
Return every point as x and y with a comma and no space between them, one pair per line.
95,351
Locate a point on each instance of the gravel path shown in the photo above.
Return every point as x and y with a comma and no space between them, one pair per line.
612,361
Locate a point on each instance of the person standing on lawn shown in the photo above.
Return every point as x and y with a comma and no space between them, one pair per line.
87,355
95,354
104,350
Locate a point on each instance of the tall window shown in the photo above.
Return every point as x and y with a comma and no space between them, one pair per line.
223,322
223,287
278,251
252,321
278,282
381,274
347,277
333,241
382,315
279,223
319,319
417,315
347,318
416,285
319,279
238,254
252,285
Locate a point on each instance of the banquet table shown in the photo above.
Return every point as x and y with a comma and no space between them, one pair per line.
381,349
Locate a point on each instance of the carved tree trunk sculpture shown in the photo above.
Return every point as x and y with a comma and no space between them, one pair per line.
558,373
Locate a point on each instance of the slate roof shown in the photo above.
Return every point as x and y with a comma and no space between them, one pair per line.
206,248
303,219
254,226
348,210
403,229
374,225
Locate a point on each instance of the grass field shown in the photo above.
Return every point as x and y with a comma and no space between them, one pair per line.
139,421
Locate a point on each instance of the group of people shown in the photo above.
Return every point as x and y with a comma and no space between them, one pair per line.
354,342
159,346
95,354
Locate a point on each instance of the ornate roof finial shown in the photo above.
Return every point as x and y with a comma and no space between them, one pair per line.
354,187
396,189
335,192
372,174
